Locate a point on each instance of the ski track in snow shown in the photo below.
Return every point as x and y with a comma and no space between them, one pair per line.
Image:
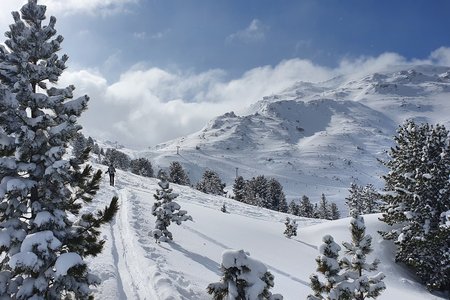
142,270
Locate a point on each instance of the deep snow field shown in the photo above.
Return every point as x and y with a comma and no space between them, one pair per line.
133,266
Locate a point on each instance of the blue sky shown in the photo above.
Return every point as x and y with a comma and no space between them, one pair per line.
185,61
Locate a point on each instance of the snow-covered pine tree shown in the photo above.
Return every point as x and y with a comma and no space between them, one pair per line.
243,278
305,208
361,245
223,208
324,208
256,191
166,211
177,174
79,145
211,184
362,200
354,200
276,196
334,211
141,166
44,235
239,188
418,192
293,208
336,285
291,227
371,200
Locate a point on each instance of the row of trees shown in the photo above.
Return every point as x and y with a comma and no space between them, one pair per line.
322,210
260,191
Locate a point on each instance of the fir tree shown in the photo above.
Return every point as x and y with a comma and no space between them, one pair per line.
354,200
256,192
117,158
166,211
211,184
177,174
291,227
418,192
79,145
45,237
239,188
362,200
242,278
358,249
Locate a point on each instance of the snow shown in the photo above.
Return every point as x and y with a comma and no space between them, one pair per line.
42,240
43,218
134,266
66,261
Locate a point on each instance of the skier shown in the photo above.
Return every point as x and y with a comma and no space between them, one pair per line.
111,171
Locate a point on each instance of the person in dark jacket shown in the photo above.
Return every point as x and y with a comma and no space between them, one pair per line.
111,171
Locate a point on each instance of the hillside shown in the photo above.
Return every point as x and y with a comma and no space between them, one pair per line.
133,266
315,138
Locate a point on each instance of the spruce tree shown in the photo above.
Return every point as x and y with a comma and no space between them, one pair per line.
166,211
418,192
276,196
354,200
243,278
324,208
334,211
44,236
361,245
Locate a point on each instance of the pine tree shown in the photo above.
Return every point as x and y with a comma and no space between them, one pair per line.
142,167
418,192
117,158
291,227
79,145
177,174
334,211
243,278
239,188
166,211
256,192
306,209
323,210
359,248
223,208
44,236
211,184
371,200
354,200
335,285
293,209
276,197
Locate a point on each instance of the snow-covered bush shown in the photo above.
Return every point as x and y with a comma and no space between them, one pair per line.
166,211
44,238
141,166
242,278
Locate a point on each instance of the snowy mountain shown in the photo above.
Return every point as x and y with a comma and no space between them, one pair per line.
315,137
134,266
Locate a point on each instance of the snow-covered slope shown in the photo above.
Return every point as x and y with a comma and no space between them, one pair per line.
133,266
315,138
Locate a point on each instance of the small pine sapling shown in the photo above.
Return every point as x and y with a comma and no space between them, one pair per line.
291,227
166,211
223,208
359,248
243,278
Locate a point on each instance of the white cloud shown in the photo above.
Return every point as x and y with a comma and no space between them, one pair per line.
441,56
253,33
